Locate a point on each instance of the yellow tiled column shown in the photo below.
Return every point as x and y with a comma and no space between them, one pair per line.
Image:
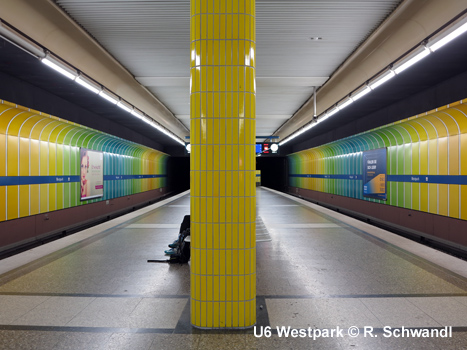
223,191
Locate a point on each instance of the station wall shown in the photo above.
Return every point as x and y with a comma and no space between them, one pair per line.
40,171
426,168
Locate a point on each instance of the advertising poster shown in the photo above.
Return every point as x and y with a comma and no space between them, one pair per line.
92,174
374,174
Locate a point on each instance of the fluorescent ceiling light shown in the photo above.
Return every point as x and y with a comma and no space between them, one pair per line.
108,97
309,126
137,114
451,36
163,130
330,113
361,93
124,106
324,117
345,104
47,60
86,84
384,78
11,35
412,60
436,42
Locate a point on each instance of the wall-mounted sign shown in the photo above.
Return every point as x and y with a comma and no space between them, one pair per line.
91,174
374,174
267,148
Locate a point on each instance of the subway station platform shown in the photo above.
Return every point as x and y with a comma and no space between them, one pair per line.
317,270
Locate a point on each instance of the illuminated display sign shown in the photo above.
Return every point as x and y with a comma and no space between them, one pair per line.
374,174
267,148
91,174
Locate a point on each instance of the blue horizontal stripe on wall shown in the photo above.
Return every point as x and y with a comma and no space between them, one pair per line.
130,177
36,180
39,180
340,177
430,179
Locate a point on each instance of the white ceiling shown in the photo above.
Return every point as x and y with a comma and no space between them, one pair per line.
151,39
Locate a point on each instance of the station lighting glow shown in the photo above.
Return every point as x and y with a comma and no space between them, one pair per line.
137,114
72,73
124,107
448,38
108,97
434,43
48,61
412,61
345,104
361,93
390,74
81,81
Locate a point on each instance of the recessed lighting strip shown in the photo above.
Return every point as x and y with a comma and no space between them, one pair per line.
425,48
11,35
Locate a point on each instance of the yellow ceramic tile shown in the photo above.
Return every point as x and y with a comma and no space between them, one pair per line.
241,29
43,198
228,288
241,314
228,212
34,199
23,200
235,28
12,156
228,27
241,264
228,260
222,268
222,202
234,179
203,87
241,154
236,58
228,314
204,6
253,54
228,80
228,131
12,202
215,209
463,204
241,109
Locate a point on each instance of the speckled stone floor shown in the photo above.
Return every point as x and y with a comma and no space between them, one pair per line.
317,271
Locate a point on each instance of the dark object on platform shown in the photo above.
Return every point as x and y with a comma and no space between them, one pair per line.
180,247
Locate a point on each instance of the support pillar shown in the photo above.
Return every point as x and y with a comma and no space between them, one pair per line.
223,191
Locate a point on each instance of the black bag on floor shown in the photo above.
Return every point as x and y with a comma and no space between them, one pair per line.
182,254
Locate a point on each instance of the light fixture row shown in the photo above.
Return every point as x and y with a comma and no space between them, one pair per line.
423,50
68,72
71,73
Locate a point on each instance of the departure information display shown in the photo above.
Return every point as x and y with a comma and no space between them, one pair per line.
267,149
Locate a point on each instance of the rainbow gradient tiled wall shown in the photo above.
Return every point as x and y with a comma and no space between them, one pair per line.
39,164
426,163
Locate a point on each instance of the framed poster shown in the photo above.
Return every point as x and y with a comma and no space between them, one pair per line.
374,174
91,174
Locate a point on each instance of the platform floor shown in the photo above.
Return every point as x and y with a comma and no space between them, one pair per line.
316,269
